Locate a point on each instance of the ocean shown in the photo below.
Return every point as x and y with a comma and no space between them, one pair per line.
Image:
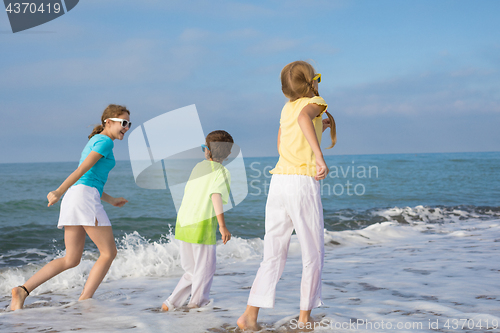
412,244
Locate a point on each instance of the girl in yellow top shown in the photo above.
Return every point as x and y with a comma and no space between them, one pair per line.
294,200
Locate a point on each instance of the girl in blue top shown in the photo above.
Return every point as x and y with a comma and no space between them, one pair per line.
81,209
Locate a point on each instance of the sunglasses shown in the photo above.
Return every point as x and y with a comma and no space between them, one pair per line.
125,122
203,147
317,77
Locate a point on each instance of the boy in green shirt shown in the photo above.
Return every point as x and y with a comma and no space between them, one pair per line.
201,210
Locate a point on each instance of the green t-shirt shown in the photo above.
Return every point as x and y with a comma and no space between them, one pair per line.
196,219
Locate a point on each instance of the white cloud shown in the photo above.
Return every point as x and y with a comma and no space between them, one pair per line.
465,91
131,61
195,35
273,45
202,36
225,8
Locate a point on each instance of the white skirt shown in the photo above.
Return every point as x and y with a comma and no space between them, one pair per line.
81,205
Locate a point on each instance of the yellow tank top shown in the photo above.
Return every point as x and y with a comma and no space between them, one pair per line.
296,155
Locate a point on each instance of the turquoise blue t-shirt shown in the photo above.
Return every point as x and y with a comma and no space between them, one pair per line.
98,174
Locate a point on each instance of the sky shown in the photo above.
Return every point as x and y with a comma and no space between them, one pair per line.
398,76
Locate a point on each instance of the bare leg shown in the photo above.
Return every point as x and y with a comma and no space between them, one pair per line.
74,239
248,320
105,242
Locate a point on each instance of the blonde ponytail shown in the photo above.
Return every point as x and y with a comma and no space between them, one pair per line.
333,130
296,80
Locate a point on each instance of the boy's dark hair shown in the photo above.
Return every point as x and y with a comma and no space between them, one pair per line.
220,143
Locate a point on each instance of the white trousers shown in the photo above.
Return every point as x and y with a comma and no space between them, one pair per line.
198,262
293,202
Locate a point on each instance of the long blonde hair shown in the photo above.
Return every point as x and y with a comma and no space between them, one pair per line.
112,111
297,82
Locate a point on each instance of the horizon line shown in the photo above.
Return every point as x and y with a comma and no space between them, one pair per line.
276,156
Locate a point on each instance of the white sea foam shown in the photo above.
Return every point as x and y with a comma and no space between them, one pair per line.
439,266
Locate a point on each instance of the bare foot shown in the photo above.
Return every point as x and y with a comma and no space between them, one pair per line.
164,307
305,322
246,322
18,297
304,326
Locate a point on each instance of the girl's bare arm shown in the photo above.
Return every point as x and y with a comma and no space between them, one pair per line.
88,163
308,113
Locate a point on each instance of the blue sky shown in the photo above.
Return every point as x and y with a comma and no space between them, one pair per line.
399,76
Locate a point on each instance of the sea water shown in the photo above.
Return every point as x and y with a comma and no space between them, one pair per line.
412,244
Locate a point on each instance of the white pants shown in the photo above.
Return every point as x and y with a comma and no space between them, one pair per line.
198,262
294,201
